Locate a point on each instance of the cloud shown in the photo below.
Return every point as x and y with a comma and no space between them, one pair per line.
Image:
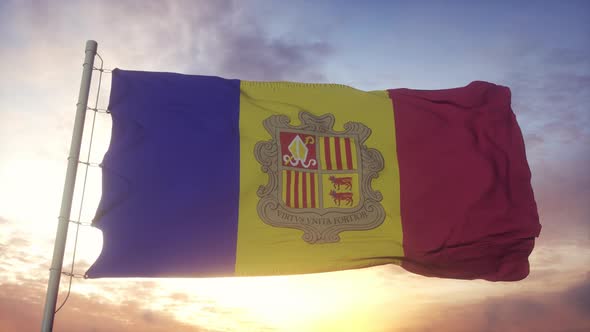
542,311
579,296
119,305
562,188
14,250
218,38
551,94
551,91
257,59
570,57
21,310
42,60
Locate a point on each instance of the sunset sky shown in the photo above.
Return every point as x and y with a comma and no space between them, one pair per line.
540,49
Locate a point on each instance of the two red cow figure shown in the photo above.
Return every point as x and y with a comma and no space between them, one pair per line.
338,197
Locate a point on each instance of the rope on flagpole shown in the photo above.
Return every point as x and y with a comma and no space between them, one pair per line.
88,164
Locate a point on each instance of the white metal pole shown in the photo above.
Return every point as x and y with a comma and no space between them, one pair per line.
68,192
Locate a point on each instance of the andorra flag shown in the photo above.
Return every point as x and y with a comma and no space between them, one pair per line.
206,176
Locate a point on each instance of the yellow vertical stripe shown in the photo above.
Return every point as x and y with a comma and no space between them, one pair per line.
266,250
333,152
315,187
342,142
306,190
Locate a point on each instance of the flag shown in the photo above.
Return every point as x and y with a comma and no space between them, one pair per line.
207,176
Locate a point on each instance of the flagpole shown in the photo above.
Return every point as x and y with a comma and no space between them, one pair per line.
68,192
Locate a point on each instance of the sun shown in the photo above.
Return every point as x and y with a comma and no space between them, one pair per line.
337,301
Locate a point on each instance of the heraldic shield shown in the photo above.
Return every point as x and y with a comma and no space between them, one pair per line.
319,179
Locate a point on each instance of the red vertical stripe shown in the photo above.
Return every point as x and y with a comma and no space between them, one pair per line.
348,153
296,193
491,245
327,152
312,183
304,189
338,153
288,188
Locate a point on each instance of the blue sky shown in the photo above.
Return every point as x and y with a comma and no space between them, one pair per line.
540,49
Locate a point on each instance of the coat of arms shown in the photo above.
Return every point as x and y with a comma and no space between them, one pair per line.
319,179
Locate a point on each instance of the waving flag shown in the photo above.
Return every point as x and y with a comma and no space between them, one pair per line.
208,176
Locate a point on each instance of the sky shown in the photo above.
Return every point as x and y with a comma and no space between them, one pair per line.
540,49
